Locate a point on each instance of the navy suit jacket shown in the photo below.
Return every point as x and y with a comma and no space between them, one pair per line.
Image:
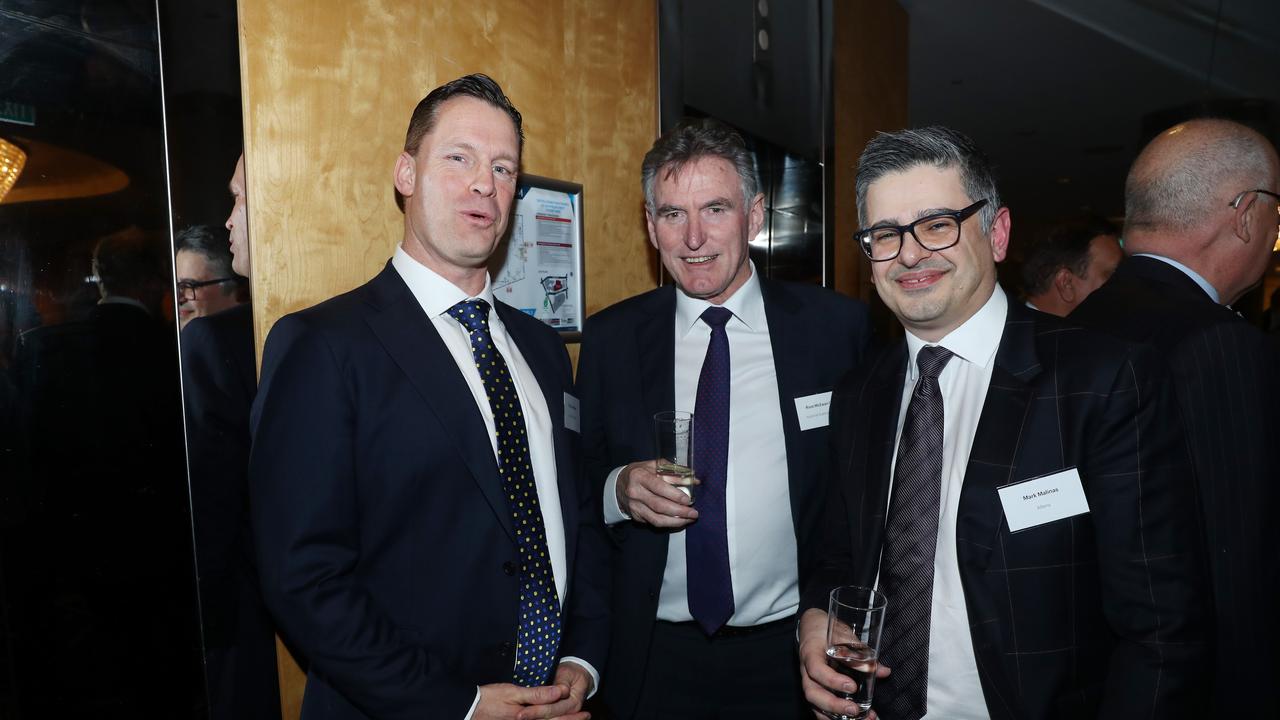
385,543
1098,615
1225,377
626,373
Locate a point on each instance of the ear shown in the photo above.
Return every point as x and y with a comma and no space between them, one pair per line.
755,216
1064,283
1000,234
648,221
1242,221
405,174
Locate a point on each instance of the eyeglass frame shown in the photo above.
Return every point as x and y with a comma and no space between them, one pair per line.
191,286
958,215
1235,204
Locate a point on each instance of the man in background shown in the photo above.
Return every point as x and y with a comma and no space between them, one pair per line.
705,593
1200,224
1060,269
206,283
219,378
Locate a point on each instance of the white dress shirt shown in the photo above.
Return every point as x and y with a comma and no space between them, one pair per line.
761,534
954,691
436,295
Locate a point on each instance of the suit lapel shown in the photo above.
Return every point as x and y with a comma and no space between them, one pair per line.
786,341
884,396
656,345
998,438
409,338
545,371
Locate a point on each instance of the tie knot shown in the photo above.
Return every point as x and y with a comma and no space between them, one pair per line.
473,314
931,359
716,316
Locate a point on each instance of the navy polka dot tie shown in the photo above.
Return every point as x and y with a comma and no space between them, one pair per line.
538,635
710,587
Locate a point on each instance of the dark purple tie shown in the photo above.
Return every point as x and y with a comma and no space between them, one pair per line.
910,542
707,541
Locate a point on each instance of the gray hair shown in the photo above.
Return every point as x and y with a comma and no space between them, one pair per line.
212,245
692,140
1179,190
941,147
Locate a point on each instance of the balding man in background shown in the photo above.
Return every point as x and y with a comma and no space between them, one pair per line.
1072,260
1200,204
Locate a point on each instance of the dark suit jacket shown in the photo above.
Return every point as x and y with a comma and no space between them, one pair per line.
626,373
1225,378
385,542
219,382
1099,615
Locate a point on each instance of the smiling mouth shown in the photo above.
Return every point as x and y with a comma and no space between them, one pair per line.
699,260
917,281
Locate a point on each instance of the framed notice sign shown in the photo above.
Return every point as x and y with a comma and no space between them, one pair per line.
541,273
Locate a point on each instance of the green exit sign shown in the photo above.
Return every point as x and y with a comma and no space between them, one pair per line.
17,113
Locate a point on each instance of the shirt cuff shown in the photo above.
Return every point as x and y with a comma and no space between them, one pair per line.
474,703
612,511
595,676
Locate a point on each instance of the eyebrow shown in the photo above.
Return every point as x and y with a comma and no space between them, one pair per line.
720,201
463,145
893,222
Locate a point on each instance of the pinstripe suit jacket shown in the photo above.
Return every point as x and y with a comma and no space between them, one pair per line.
1224,375
1099,615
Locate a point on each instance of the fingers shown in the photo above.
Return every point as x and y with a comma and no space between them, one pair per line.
542,695
563,708
652,498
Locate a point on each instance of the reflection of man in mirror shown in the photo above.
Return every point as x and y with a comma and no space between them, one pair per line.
422,534
219,383
206,282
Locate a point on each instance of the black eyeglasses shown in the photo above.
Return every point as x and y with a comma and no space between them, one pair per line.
1236,203
191,286
934,232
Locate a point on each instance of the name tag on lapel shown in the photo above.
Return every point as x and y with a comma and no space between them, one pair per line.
571,419
1041,500
814,410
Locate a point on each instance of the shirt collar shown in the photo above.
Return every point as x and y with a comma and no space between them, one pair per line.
435,294
1209,290
746,304
975,341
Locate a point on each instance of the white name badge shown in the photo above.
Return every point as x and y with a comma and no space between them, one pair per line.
1044,499
571,419
814,410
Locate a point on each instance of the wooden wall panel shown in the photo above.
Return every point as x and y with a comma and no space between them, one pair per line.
869,81
328,89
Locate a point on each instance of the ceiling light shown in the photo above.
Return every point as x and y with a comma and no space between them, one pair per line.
12,160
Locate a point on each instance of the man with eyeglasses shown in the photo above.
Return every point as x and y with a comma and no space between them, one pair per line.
1018,488
206,282
1201,222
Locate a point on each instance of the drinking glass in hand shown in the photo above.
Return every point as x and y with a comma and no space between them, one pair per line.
854,618
673,434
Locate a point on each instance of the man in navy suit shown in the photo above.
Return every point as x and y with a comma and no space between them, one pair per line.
705,591
1018,488
1200,223
422,537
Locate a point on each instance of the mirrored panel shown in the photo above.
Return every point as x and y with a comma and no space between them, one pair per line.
98,609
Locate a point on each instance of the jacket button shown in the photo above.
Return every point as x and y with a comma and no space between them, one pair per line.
509,567
506,649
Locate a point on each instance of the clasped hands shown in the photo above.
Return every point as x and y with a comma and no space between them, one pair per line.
654,499
562,700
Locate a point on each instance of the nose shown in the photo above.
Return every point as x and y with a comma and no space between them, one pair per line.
912,251
230,222
483,183
694,237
